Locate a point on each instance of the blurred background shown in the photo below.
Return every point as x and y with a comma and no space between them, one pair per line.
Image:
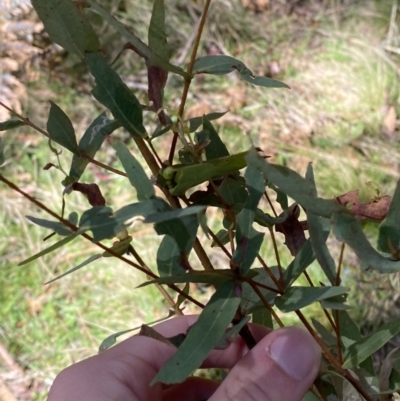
341,60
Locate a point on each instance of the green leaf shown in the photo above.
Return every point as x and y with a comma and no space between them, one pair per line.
302,260
86,262
151,57
263,317
120,247
202,336
389,229
111,340
223,236
247,250
362,349
318,235
250,297
56,226
217,276
263,81
217,65
231,334
195,122
249,240
174,214
216,148
100,221
10,124
61,130
298,188
169,258
221,65
329,339
136,174
51,248
113,93
347,229
183,231
296,298
187,176
91,142
67,26
144,208
157,36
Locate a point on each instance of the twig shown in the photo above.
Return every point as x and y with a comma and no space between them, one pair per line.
99,244
278,260
189,71
267,305
332,359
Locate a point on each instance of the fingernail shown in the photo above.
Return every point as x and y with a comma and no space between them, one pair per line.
295,351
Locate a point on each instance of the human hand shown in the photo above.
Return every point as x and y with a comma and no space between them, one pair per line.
281,367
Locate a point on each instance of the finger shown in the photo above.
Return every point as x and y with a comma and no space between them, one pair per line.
132,365
192,389
282,366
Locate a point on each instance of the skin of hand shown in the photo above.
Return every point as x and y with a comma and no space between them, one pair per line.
281,367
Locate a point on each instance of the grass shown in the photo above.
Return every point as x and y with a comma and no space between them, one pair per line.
332,116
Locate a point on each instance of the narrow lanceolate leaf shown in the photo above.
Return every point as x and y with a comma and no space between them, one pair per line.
195,122
202,337
51,248
298,188
318,236
296,298
151,57
184,177
90,143
361,350
302,260
157,76
55,226
86,262
262,81
249,240
250,298
347,229
157,36
100,221
174,214
183,231
61,130
113,93
217,65
144,209
67,26
169,258
216,147
221,65
137,176
217,276
389,230
9,124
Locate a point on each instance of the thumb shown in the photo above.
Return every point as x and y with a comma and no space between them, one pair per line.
281,367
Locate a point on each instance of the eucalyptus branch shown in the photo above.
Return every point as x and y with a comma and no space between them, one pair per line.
99,244
189,71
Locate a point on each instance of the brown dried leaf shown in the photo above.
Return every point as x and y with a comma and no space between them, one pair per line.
375,210
293,230
91,191
157,78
